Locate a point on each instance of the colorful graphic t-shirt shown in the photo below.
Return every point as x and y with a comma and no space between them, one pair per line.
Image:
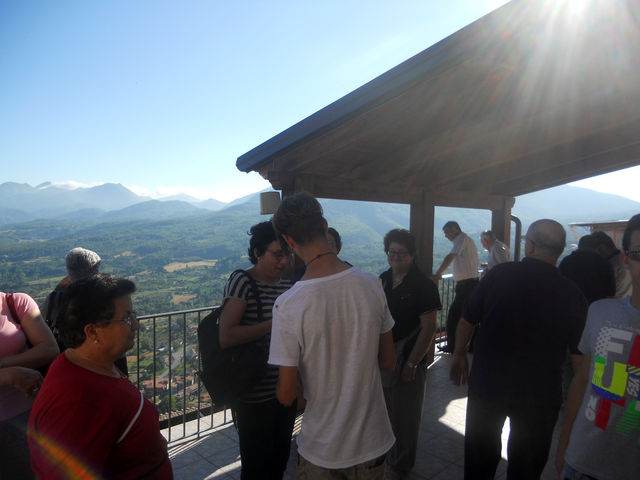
605,440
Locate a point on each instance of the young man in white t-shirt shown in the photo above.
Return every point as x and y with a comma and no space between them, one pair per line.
333,328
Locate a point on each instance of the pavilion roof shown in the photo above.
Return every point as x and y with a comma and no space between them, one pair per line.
533,95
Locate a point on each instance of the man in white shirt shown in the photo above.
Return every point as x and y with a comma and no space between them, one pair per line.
332,327
464,257
498,251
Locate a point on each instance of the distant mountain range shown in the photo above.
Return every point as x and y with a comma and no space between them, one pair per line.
20,202
115,203
139,238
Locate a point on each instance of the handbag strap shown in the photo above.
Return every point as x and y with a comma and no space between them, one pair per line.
12,307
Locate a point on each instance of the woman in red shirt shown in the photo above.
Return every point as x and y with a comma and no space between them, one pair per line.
89,420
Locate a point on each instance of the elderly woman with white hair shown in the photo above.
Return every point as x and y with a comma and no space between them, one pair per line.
80,263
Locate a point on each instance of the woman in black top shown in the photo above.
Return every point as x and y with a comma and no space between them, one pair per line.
413,300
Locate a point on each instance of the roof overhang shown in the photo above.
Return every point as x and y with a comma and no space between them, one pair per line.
531,96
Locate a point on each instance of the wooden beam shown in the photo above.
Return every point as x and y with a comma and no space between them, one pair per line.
421,220
343,189
501,221
534,179
475,199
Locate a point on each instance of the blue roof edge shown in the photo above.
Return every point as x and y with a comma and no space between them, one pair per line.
373,93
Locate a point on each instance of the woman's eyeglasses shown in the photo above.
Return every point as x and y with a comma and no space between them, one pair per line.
397,253
130,319
633,255
279,254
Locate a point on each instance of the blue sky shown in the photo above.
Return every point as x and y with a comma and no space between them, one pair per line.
163,96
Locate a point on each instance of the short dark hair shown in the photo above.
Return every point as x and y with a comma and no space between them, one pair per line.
90,300
262,234
300,217
632,225
401,236
601,238
587,242
336,238
452,224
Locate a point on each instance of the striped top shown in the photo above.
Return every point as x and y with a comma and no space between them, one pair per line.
239,287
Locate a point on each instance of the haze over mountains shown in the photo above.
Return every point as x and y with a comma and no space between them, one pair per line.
22,202
113,202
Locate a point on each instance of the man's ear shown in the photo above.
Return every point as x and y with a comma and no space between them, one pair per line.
326,225
288,240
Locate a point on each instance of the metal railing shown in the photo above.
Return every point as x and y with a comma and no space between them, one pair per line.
164,367
165,361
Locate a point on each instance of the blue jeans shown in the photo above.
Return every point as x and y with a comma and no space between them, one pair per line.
570,473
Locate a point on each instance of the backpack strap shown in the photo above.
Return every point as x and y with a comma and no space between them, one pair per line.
54,300
256,293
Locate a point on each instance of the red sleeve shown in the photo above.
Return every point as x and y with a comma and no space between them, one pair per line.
54,443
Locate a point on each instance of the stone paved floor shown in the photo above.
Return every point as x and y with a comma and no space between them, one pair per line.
440,451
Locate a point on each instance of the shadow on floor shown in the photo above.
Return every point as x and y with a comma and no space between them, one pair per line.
440,451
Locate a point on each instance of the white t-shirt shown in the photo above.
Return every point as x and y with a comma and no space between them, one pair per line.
465,264
499,253
330,329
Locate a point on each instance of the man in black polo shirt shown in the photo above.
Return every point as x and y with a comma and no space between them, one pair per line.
528,316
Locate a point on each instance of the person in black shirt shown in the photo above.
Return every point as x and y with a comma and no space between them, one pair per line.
529,315
589,271
413,300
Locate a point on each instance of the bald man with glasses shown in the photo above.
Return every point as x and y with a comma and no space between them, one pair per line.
529,315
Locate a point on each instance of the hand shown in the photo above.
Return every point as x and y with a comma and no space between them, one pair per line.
408,373
25,379
459,371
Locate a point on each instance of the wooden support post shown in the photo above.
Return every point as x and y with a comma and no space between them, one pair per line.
421,220
501,220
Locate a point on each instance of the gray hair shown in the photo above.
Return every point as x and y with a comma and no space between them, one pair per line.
488,235
81,263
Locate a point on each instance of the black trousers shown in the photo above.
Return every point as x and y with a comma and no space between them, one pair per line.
14,449
264,430
462,291
529,439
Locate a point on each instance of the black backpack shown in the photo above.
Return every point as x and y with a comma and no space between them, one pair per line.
231,372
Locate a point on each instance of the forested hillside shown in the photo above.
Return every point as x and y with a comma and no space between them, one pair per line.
183,261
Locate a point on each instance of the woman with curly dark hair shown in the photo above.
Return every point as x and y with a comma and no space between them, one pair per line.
264,424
